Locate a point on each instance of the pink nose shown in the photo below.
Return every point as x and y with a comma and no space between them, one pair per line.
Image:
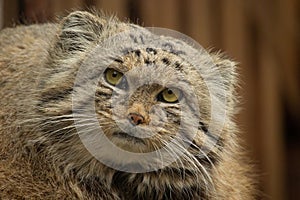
136,119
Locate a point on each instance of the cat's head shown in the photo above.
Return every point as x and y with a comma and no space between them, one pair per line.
133,98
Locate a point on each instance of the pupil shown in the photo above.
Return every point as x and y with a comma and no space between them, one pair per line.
115,74
170,92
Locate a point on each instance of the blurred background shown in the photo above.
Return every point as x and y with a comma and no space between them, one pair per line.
263,36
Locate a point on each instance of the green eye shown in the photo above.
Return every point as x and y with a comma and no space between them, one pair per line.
169,95
112,76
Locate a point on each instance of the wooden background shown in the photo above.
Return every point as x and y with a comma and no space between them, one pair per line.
263,35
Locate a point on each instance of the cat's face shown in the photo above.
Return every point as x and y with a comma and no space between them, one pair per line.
135,93
140,100
147,98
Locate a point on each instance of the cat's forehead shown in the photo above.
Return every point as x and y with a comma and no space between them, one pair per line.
148,56
140,46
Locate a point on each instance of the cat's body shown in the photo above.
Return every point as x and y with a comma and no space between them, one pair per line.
41,157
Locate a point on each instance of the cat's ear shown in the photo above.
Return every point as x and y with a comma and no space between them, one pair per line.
228,71
227,68
78,31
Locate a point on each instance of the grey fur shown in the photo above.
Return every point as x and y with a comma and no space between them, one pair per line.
41,155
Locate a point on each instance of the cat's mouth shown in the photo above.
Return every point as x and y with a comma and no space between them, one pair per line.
128,137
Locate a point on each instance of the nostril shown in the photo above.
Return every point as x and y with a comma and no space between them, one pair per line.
136,118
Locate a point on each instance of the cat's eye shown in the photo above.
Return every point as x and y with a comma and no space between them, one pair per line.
113,76
169,95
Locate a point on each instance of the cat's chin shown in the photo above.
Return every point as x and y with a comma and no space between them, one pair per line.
128,137
129,142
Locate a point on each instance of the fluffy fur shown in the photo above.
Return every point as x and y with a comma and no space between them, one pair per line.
41,154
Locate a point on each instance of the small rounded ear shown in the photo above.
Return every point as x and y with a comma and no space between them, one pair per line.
78,30
226,68
228,71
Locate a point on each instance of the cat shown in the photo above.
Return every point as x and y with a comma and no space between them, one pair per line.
95,108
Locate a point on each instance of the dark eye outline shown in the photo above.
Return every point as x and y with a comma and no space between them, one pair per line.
160,96
122,83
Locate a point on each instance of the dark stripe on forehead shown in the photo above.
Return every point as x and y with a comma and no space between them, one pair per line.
132,37
176,62
137,39
142,39
178,66
148,62
151,51
178,52
137,52
166,61
170,48
127,51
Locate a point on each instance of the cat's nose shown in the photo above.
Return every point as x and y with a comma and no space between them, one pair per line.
136,119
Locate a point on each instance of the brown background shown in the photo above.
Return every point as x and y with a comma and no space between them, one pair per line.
263,35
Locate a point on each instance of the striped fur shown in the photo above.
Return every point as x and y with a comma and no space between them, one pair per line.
41,155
